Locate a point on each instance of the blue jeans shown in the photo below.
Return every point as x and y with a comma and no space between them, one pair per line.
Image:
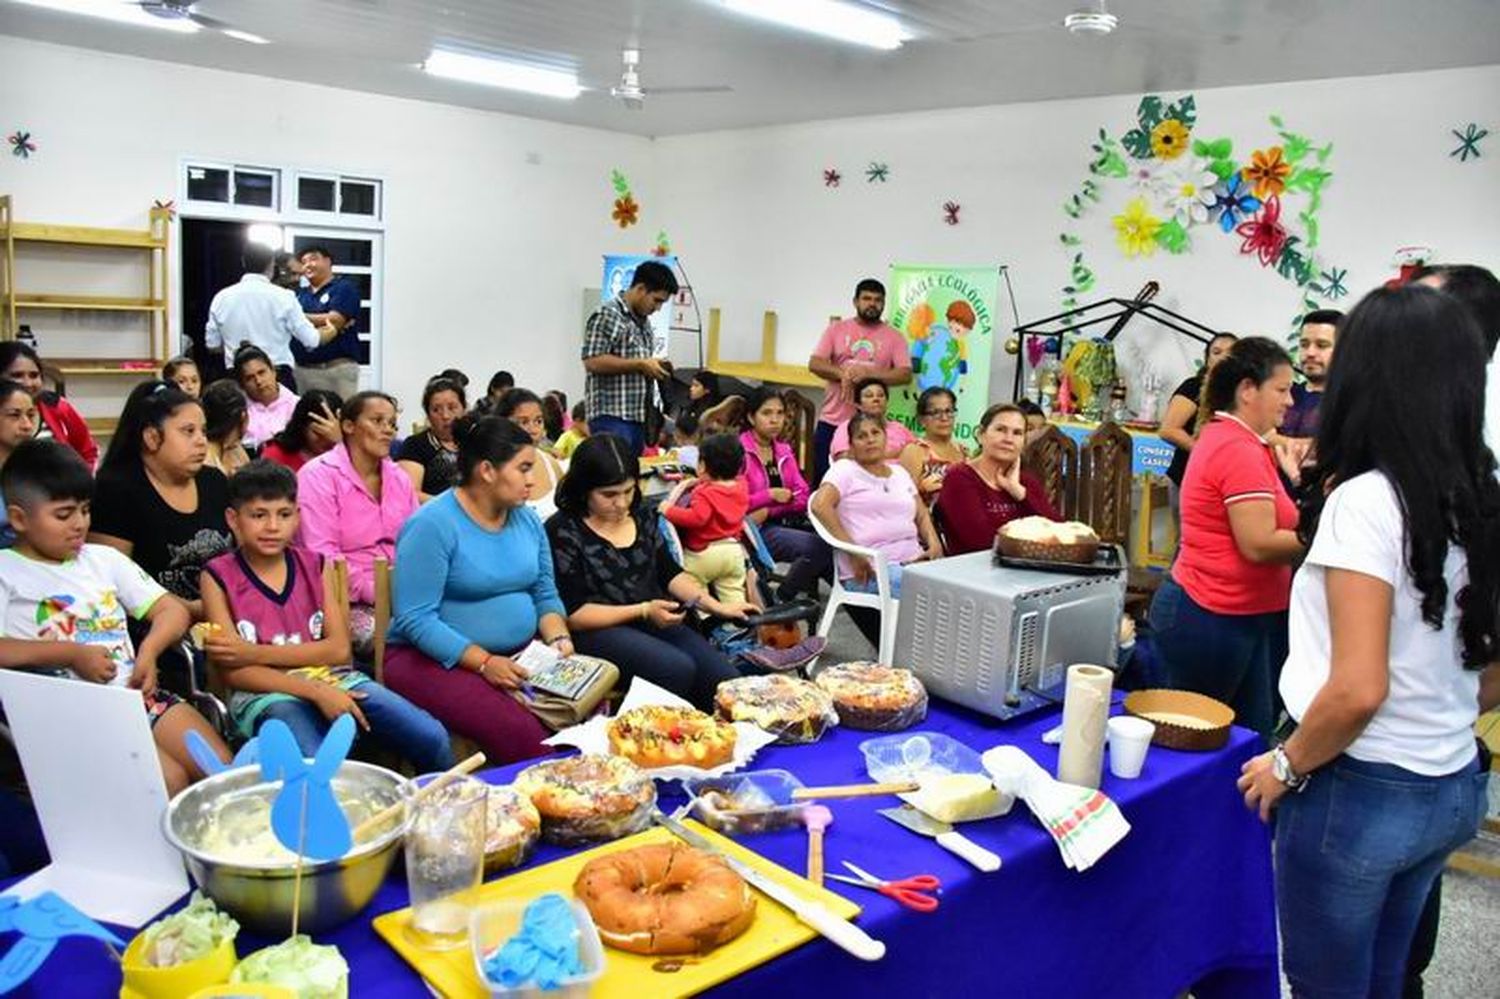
395,724
632,432
1234,658
1356,854
677,658
822,443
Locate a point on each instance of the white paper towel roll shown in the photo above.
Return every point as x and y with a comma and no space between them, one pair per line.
1085,716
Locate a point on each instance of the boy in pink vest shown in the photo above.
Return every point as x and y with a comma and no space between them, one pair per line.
280,639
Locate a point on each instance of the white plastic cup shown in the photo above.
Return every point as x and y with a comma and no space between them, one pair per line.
1129,738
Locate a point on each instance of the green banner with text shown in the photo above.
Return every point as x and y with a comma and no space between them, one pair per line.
947,315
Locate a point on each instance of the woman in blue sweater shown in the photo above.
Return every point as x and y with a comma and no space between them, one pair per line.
473,586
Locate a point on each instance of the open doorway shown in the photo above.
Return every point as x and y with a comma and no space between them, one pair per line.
210,261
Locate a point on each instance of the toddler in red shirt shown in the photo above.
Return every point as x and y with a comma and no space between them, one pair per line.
712,521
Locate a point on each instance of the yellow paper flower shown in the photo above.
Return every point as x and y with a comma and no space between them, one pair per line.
1169,139
1135,229
1267,173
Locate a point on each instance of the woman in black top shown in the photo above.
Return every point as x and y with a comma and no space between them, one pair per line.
626,597
431,457
1181,420
157,501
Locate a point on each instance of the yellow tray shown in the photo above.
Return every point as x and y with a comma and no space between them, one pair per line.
775,930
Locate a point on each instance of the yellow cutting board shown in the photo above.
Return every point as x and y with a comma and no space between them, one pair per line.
628,976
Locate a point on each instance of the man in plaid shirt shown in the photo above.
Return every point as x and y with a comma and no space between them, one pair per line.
617,354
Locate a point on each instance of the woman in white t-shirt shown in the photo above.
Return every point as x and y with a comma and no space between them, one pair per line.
1394,646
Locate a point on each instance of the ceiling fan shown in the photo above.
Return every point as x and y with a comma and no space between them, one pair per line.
630,92
183,10
1091,20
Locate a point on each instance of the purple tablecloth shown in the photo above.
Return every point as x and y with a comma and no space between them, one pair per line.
1185,898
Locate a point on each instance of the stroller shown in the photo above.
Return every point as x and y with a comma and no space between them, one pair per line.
745,642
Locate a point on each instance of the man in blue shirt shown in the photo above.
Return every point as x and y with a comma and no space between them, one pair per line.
1319,330
328,300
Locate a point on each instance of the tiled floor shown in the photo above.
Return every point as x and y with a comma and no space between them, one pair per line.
1467,965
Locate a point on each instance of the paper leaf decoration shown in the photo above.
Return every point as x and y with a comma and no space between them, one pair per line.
1172,237
950,212
1331,283
663,247
831,177
22,146
1161,131
620,184
42,921
209,762
305,812
1468,142
877,172
169,206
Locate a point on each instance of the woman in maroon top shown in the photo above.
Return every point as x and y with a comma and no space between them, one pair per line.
985,493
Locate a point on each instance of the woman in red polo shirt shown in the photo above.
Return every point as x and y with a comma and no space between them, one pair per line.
1220,620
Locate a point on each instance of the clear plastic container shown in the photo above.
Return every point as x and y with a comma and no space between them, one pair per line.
491,925
932,758
759,801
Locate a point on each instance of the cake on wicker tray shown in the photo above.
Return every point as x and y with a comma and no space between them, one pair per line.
1047,540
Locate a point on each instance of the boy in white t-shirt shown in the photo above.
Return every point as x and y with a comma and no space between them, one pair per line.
63,603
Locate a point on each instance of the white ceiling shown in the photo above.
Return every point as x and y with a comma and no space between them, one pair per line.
965,53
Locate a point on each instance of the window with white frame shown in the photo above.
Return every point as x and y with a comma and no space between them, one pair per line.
339,195
239,185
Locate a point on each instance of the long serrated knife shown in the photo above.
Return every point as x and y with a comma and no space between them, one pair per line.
833,927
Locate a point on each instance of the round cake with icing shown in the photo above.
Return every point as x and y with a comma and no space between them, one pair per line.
665,898
512,825
874,697
588,798
794,709
659,736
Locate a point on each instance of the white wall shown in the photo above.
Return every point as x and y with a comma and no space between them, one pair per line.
758,230
485,253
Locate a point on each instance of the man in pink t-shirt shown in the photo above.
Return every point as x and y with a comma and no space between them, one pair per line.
851,350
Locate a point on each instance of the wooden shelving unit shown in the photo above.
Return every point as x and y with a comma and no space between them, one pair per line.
14,302
767,369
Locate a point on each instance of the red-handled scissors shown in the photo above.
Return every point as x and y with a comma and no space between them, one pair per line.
910,892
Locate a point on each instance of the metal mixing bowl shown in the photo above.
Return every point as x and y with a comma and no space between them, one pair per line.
259,894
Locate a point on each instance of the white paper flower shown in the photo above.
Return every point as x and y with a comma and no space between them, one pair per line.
1146,178
1190,193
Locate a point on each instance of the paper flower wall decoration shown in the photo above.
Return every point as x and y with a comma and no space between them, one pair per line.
169,206
22,146
877,172
1331,283
1152,136
1232,202
1169,139
1264,235
831,177
1267,172
1190,194
950,212
663,247
626,210
1468,142
1135,229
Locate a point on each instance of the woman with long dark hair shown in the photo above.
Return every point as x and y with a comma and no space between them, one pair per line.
431,457
270,403
20,363
779,495
474,586
625,596
1179,423
312,430
1220,618
1395,646
226,414
158,501
524,408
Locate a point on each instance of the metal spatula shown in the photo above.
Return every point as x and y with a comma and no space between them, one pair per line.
954,842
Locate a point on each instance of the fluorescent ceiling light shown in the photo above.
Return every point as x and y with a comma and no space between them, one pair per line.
847,22
502,73
245,36
113,10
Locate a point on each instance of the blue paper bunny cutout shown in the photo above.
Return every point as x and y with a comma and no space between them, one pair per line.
209,762
42,921
327,835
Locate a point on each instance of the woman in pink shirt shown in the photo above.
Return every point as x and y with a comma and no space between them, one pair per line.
867,501
874,398
779,494
1220,619
271,403
354,499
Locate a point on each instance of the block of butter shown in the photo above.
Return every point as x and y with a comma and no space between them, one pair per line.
959,798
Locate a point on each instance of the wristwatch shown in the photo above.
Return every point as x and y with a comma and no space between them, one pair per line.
1281,769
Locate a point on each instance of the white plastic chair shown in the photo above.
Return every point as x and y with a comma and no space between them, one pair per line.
882,600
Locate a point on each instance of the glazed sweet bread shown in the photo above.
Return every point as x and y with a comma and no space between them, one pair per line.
665,898
871,696
659,736
512,825
794,709
588,798
1044,531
